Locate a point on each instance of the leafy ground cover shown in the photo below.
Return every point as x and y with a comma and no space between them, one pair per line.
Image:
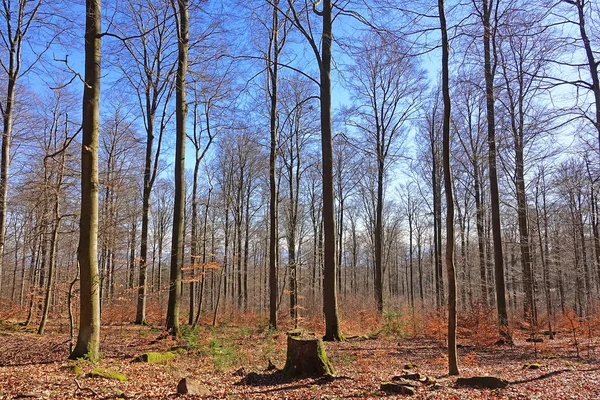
222,360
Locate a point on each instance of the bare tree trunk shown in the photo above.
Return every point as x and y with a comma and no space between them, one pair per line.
544,251
273,68
488,48
179,202
452,352
332,324
88,339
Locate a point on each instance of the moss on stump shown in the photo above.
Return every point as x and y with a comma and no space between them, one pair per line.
306,356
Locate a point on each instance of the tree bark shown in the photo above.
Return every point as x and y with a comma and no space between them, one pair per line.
452,351
179,201
88,338
489,69
332,324
273,69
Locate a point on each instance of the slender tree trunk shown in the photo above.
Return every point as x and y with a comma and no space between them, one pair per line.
332,324
273,69
480,233
179,201
452,352
488,6
88,339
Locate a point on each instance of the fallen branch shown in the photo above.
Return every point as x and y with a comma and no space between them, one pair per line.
82,388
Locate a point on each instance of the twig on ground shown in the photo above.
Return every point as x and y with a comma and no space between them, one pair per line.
82,388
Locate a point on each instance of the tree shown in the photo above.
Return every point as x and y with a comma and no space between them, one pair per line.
488,14
148,67
452,352
179,203
586,14
469,120
296,132
17,24
88,338
323,57
387,87
523,49
273,71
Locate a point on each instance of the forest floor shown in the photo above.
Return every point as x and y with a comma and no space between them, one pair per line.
219,359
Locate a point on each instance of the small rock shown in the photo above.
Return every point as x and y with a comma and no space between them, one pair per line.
411,377
28,396
534,340
190,386
404,382
397,388
488,382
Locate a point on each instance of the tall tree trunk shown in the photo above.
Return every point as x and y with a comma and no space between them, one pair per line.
488,39
179,201
273,69
332,324
88,338
452,352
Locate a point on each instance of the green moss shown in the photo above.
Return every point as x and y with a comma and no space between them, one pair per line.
531,366
178,349
323,357
154,357
73,368
107,374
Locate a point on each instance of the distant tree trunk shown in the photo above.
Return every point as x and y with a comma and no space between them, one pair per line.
132,244
437,214
480,232
18,27
51,265
379,238
204,239
246,244
544,248
54,238
88,338
179,202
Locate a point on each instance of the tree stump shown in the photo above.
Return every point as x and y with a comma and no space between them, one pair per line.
306,356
